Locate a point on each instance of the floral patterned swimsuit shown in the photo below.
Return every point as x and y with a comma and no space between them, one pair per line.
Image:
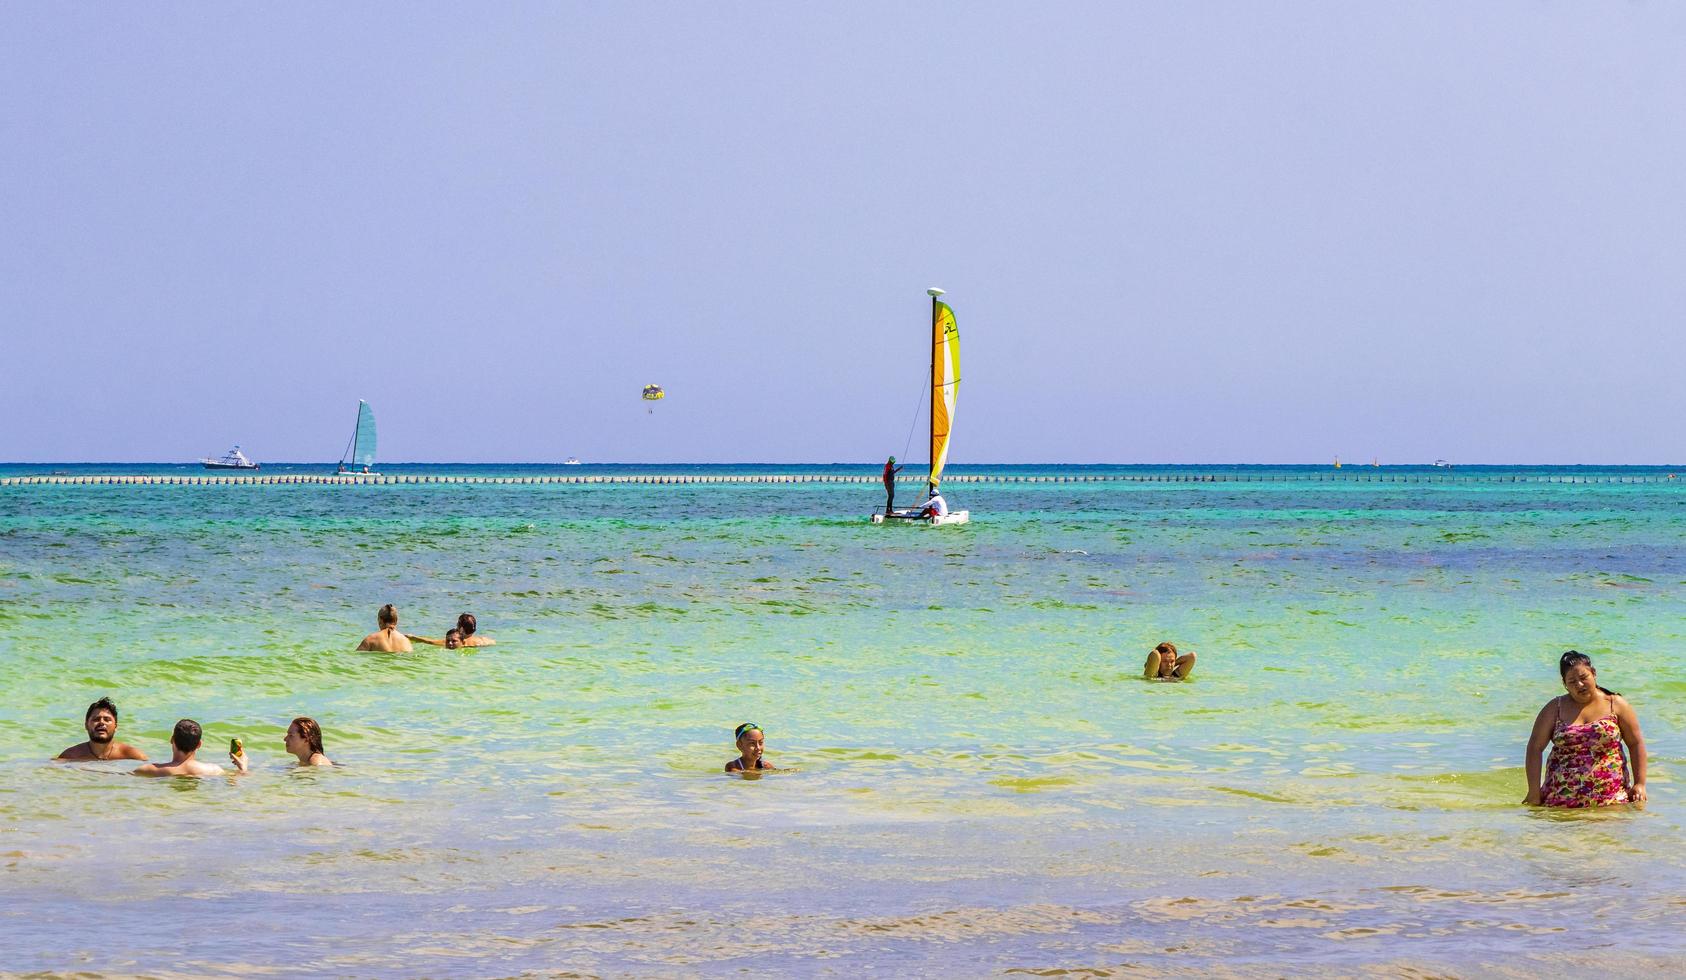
1586,766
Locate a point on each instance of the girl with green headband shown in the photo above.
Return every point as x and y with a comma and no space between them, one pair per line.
751,743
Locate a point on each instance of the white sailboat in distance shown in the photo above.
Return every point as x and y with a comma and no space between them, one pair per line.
359,456
945,385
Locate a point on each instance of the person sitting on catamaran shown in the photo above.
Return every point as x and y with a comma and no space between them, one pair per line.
935,506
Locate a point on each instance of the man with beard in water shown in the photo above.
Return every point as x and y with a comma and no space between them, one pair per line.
101,723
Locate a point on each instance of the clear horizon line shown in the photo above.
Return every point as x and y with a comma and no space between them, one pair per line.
860,463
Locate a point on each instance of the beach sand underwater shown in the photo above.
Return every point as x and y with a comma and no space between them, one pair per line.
984,786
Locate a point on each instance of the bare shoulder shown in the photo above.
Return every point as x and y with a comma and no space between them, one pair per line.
127,751
147,770
480,641
75,753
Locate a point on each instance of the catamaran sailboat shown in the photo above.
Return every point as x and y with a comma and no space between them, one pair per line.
945,384
359,457
234,459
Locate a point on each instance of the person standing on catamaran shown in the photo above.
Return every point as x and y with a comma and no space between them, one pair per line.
890,471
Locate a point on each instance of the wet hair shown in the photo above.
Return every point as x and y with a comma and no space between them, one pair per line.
388,614
467,624
1574,658
187,735
310,731
1166,648
453,631
103,704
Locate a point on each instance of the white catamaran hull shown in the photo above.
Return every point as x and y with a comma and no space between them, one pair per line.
954,517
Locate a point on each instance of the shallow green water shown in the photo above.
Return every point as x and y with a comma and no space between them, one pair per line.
984,783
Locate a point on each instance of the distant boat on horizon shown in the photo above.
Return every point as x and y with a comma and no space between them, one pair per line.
1443,464
571,461
234,459
360,452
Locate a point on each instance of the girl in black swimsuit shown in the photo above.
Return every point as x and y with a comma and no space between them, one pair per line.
751,742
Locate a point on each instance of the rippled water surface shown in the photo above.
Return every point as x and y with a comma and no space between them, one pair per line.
983,783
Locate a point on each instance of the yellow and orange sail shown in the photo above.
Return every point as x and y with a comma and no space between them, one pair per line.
945,383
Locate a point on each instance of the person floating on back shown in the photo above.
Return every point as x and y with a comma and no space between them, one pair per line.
890,471
184,742
751,743
387,639
304,740
101,723
1586,729
1164,663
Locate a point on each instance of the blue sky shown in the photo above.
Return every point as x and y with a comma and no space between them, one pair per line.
1171,233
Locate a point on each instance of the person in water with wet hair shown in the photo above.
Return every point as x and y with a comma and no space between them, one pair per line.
751,743
304,741
464,630
452,640
1586,729
101,723
1164,663
466,625
184,742
386,639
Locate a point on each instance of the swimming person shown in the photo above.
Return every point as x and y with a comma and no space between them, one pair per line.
1586,729
452,640
751,743
1165,663
184,742
890,471
466,624
387,639
101,723
304,740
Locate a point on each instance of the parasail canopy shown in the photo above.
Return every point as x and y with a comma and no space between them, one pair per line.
654,393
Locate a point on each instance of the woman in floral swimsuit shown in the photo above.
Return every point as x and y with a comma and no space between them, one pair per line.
1586,729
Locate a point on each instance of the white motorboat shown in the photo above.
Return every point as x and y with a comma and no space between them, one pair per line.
234,459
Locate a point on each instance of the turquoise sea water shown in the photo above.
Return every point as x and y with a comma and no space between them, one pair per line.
984,785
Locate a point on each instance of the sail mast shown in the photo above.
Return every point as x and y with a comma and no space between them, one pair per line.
936,384
945,380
